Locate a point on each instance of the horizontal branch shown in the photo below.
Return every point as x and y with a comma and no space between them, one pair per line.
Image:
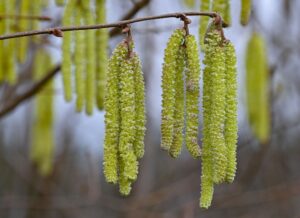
29,93
28,17
57,30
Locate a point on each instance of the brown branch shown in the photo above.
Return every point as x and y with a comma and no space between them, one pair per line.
28,17
29,93
109,25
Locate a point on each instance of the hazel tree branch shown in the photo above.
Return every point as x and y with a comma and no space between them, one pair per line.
57,31
28,17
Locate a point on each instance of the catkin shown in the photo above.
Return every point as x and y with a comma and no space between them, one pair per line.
231,126
223,8
10,47
127,111
177,142
42,136
168,92
90,59
2,31
140,108
24,25
257,88
112,115
246,6
79,56
67,51
190,3
101,53
192,96
60,2
205,5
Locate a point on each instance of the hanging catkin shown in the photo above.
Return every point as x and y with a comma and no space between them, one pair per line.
168,94
177,142
246,6
140,109
112,115
190,3
101,53
257,88
204,6
10,47
67,51
2,31
79,56
90,58
231,126
60,2
223,8
42,136
36,9
192,96
23,25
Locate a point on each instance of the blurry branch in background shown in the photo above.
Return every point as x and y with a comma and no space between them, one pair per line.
28,17
12,104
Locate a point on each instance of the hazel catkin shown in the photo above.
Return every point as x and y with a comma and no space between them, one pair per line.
231,126
112,115
192,96
168,94
203,23
246,6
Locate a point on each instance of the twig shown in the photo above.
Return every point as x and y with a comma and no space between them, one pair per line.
32,91
28,17
109,25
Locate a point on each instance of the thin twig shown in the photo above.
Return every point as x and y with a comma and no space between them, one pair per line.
109,25
28,17
32,91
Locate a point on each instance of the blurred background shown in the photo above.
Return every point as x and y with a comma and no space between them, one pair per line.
268,176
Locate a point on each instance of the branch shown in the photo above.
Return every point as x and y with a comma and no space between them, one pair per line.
58,30
28,94
28,17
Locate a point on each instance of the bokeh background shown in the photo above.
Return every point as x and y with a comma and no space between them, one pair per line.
268,176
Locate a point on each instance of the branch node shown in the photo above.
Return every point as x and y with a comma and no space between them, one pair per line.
57,32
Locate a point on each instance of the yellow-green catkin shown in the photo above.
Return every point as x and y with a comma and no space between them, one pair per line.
177,142
231,124
190,3
101,53
42,149
60,2
140,108
112,115
246,6
36,10
205,5
223,8
23,25
192,96
67,51
2,31
217,95
10,46
257,80
79,57
90,58
127,111
214,160
168,84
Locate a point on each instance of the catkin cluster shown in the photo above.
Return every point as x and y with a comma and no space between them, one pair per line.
125,117
180,97
85,55
14,52
257,77
219,115
42,149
